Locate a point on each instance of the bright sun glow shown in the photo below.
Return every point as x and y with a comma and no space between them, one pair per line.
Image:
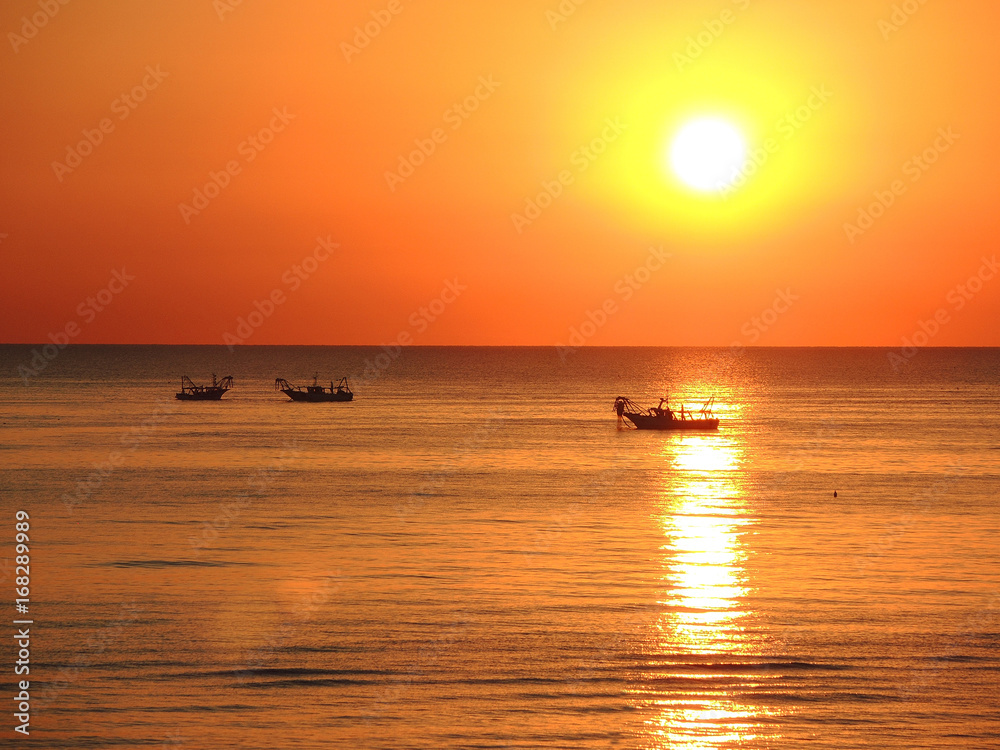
707,154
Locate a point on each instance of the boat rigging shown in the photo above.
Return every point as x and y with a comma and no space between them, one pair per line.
191,391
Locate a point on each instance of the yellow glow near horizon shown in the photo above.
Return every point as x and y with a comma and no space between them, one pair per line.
636,183
707,154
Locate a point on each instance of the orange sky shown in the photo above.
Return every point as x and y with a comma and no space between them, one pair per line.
840,95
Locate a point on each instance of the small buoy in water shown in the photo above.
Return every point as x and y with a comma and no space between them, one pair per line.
835,493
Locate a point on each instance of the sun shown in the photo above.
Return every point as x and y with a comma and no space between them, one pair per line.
707,154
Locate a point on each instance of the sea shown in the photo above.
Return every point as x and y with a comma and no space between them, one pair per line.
472,554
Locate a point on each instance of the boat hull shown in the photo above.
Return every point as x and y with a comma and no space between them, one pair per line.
315,398
666,422
211,395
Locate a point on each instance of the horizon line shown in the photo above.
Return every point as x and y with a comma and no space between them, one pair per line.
520,346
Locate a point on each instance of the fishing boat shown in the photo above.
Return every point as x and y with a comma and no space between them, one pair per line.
662,417
315,392
191,391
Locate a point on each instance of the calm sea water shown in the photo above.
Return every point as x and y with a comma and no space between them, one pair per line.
471,555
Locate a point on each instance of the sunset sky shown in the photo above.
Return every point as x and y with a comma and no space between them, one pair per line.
212,153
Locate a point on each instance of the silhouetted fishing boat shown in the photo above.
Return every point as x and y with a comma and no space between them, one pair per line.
315,392
662,417
193,392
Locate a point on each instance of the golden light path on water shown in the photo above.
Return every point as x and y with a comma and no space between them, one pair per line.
703,640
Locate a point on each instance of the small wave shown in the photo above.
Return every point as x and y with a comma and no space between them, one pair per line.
171,564
960,658
744,666
291,672
268,677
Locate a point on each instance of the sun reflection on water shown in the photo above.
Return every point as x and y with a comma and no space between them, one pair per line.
702,668
703,567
